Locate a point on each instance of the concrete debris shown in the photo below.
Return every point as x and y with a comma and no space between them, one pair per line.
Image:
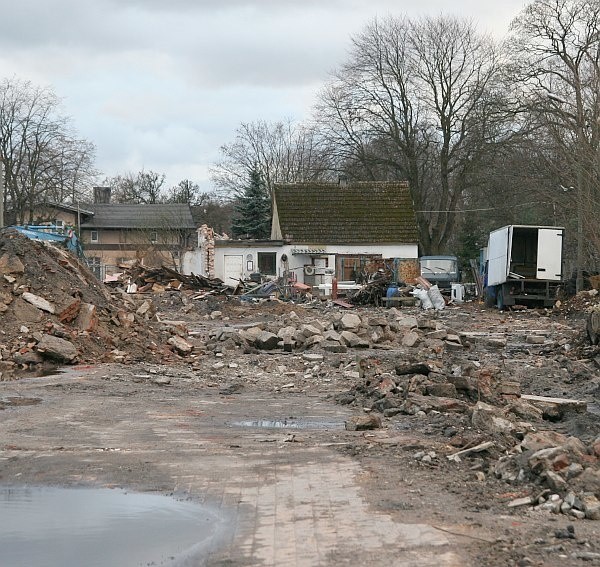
69,315
180,345
10,264
465,452
363,423
39,302
57,349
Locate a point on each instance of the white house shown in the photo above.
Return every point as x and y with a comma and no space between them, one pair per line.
325,230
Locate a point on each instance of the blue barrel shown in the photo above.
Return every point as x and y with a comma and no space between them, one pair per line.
391,292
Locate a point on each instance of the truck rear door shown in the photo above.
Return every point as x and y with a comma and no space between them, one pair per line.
498,247
549,254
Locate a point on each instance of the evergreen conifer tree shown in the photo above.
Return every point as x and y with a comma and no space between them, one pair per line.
252,209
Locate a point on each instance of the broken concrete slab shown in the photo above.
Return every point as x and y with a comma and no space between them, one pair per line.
353,340
26,312
11,264
87,319
180,345
39,302
410,339
350,322
363,423
266,341
57,349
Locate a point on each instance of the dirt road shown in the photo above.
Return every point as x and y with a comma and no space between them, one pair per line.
293,497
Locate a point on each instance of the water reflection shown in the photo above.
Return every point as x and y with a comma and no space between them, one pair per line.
59,527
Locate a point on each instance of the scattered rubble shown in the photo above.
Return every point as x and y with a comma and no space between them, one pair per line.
507,400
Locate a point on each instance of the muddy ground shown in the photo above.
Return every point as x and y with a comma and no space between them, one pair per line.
293,400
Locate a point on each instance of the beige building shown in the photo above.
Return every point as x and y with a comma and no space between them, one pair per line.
114,234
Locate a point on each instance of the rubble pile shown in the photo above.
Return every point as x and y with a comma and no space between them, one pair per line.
565,471
462,375
337,332
53,310
580,304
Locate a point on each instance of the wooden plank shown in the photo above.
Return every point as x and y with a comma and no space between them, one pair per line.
343,303
564,403
477,449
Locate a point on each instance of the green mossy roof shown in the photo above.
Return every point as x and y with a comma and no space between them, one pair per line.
356,213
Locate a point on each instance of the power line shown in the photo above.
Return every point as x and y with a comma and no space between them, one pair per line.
461,211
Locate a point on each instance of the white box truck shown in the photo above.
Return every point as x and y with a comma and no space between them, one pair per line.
524,265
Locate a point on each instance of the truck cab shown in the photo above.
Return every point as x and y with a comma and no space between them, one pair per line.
440,270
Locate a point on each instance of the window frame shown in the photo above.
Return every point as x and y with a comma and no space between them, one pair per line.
272,262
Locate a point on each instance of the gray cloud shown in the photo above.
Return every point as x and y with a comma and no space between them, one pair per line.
162,84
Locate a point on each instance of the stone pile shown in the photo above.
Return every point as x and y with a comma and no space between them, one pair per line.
339,332
566,469
53,309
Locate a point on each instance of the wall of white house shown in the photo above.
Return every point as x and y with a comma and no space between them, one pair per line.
192,262
239,262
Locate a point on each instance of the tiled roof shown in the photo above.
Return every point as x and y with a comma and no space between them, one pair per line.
356,213
139,216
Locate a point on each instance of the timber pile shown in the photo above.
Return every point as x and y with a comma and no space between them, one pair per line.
371,293
375,293
164,278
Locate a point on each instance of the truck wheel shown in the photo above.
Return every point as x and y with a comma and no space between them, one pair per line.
489,297
500,299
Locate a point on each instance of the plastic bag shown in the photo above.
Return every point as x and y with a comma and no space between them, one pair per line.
422,295
435,295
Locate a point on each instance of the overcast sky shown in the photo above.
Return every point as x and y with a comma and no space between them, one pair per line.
162,84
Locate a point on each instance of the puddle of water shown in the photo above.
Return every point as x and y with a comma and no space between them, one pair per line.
70,527
290,424
35,372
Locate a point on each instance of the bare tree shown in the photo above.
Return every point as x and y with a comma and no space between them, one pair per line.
281,152
557,60
41,153
414,101
185,191
143,187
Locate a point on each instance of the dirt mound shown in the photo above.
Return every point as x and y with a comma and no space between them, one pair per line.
53,309
581,304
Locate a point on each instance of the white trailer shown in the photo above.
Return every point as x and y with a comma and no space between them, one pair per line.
524,265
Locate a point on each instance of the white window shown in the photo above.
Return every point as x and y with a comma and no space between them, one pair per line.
154,237
94,236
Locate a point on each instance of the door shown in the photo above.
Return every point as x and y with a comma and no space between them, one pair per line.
233,267
549,254
498,247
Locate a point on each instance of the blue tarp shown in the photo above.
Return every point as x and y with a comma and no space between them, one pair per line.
44,232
